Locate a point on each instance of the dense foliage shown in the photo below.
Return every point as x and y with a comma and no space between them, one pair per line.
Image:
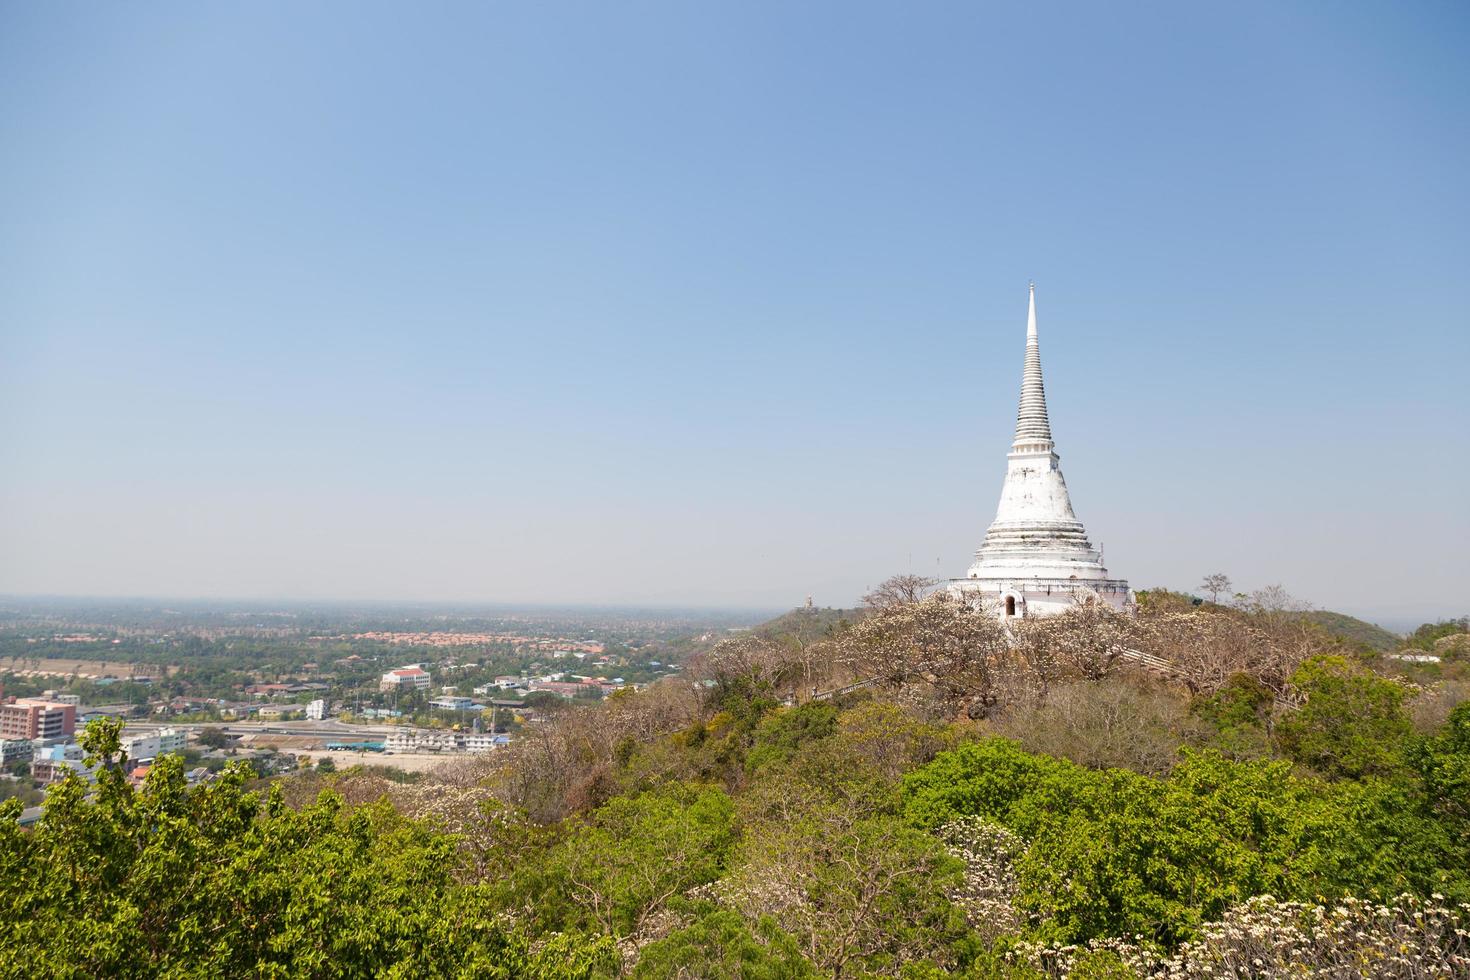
990,807
225,881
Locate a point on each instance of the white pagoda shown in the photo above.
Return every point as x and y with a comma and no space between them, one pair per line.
1036,558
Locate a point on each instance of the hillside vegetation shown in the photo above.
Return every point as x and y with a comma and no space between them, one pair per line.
990,804
1356,632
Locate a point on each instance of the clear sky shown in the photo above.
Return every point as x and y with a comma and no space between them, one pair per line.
697,303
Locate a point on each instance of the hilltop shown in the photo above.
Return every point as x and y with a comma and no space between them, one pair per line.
1355,632
808,624
993,803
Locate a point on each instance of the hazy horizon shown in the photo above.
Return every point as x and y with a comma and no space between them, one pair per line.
718,308
472,608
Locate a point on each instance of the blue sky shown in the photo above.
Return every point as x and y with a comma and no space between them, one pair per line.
725,304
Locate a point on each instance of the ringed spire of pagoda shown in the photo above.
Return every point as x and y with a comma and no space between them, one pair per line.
1032,424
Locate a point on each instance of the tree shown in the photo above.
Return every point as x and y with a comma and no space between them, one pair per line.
942,641
1116,723
1428,635
720,946
858,892
1351,724
545,701
212,738
1239,714
745,669
1273,601
1443,763
898,591
1116,853
1084,641
1214,584
165,881
628,858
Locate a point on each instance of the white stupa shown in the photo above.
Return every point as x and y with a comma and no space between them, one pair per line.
1036,558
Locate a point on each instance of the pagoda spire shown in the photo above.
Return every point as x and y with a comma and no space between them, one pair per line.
1032,424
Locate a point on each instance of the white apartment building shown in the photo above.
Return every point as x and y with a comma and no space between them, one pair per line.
316,710
162,742
13,750
412,678
431,740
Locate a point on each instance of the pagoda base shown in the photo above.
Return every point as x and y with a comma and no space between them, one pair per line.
1020,598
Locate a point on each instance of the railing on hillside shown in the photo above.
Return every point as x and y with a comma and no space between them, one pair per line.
816,695
1170,669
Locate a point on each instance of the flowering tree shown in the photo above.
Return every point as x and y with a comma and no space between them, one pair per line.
941,641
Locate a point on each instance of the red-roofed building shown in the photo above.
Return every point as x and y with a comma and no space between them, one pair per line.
405,678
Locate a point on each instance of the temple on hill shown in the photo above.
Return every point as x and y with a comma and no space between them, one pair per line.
1036,558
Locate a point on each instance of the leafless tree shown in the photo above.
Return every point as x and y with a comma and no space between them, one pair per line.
1085,641
1138,726
941,640
899,590
1205,647
566,763
753,660
1274,601
1214,584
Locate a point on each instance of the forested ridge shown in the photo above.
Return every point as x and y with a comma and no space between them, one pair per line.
991,803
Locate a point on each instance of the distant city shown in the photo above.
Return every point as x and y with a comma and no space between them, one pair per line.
290,687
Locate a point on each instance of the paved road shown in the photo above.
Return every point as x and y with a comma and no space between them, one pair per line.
330,727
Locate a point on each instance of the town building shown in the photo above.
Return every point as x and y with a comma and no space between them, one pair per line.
14,751
316,710
162,742
412,678
421,740
484,742
54,770
67,751
566,689
33,718
453,702
1036,558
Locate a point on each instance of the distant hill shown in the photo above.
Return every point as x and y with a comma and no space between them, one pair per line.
1356,631
807,625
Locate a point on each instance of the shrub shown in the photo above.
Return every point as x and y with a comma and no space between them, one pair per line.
1353,722
1116,853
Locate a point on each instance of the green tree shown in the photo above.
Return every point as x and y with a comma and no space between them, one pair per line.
781,734
1425,636
222,881
825,855
627,859
720,946
1443,763
1116,853
212,738
1352,723
1238,714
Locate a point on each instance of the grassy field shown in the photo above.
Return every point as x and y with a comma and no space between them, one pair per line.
85,669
